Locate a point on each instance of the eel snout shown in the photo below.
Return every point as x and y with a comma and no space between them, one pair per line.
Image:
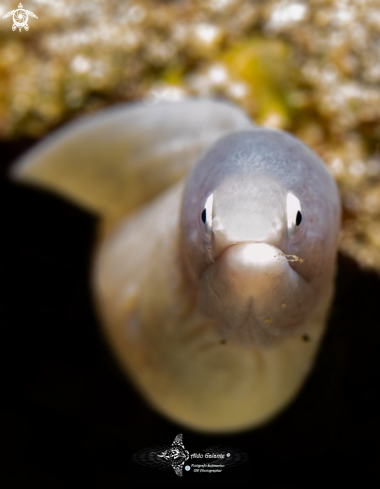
252,288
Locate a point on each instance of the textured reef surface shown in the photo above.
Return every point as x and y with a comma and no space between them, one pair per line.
312,68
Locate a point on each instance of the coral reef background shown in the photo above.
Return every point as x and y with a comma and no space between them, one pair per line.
309,67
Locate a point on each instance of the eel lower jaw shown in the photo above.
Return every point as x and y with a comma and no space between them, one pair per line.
252,291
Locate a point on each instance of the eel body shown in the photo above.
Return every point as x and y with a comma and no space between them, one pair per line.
214,269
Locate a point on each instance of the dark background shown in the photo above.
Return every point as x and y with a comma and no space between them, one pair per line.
70,418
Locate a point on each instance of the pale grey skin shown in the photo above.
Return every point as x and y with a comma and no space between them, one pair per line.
208,322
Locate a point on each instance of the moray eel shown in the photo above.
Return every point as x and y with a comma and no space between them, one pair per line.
214,268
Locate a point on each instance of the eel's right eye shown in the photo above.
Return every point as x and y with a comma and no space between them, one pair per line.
205,218
294,217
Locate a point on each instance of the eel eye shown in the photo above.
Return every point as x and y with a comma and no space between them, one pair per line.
294,216
205,218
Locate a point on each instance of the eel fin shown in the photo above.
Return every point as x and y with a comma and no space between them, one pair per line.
112,162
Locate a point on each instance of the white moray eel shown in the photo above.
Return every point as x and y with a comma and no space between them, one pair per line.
213,276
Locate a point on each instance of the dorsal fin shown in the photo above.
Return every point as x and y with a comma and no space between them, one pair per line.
113,161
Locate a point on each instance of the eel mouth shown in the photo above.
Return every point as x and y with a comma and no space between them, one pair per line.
252,289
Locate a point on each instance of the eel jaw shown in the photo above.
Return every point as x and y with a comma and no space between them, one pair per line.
253,293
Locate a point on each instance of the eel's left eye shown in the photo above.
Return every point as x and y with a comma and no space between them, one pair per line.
205,218
294,216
